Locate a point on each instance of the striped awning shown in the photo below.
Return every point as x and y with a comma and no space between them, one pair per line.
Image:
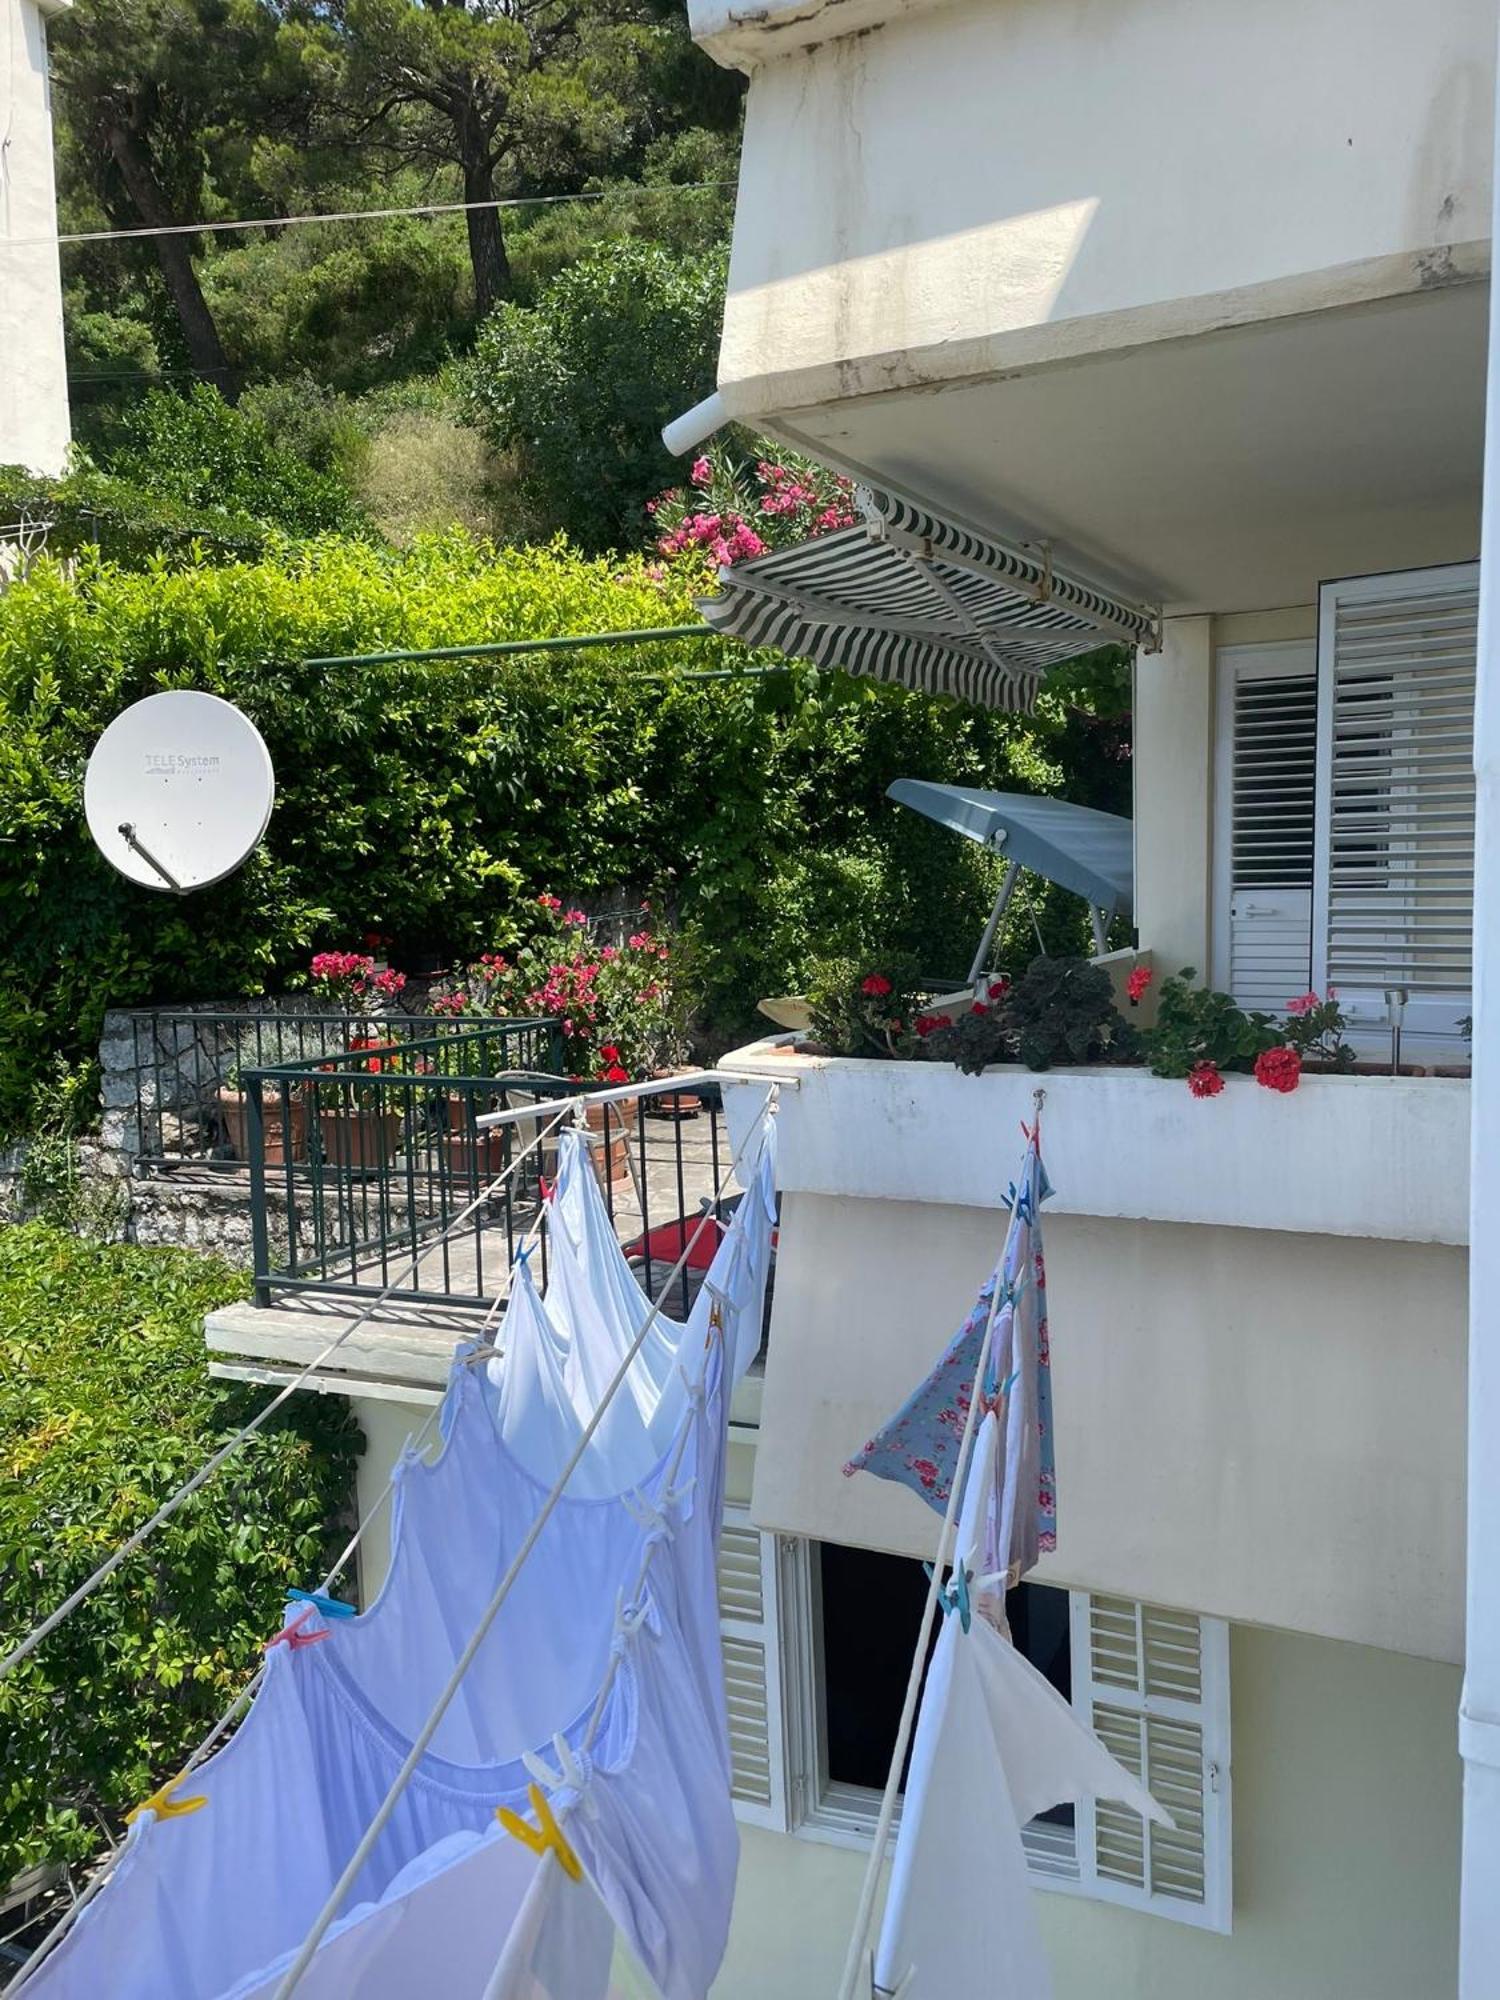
907,596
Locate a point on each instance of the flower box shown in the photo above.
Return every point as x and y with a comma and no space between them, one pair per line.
1373,1156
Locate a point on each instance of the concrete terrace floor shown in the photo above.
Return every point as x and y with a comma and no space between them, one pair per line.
400,1347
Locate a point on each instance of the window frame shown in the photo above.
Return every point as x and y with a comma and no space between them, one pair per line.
1060,1858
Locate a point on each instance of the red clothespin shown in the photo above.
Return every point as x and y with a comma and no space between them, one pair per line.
292,1635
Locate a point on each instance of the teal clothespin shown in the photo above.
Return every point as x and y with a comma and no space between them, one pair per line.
956,1596
331,1607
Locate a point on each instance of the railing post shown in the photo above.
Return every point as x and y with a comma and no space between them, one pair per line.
260,1234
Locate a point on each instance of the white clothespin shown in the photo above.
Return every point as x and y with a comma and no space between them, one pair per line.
571,1783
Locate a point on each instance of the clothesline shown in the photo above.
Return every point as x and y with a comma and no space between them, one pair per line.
211,1465
424,1737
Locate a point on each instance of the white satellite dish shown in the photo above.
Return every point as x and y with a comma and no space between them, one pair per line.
178,791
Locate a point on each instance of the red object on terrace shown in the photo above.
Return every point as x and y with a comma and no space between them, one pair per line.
666,1243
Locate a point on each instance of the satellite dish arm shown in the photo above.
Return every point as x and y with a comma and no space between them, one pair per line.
127,834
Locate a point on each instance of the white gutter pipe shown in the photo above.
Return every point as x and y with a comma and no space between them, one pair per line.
1479,1708
695,426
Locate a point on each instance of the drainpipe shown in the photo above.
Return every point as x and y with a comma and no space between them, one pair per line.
1479,1709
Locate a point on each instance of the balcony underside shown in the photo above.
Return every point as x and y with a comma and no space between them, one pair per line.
1217,470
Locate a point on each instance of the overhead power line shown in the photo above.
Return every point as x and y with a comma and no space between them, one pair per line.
354,215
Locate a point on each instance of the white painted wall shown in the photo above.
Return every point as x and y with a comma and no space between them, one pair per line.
1372,1156
1346,1800
33,375
1017,171
1262,1426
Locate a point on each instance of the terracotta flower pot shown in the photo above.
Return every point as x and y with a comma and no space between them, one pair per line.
283,1124
359,1136
612,1163
681,1105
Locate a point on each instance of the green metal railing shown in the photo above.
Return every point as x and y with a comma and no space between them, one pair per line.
361,1159
179,1076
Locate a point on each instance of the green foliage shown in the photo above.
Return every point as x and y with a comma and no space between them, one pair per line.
105,1407
579,385
865,1006
209,457
1062,1010
1315,1029
192,474
50,1186
430,803
1196,1025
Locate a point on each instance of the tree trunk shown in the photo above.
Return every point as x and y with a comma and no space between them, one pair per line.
486,239
205,349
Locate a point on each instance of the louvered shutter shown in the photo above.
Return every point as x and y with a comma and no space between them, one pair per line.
1155,1685
1394,901
1268,778
749,1628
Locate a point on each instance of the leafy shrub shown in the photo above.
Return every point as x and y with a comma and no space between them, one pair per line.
210,457
105,1407
865,1007
1060,1010
1196,1026
433,803
580,384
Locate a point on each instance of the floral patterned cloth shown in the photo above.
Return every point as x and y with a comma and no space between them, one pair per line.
919,1446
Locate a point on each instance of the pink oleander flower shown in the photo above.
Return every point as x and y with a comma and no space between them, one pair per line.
702,472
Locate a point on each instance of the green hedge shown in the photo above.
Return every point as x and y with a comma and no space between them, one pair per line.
431,804
105,1406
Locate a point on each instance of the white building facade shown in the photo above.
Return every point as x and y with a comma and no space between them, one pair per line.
33,373
1196,298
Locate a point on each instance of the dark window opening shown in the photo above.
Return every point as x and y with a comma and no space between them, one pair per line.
872,1612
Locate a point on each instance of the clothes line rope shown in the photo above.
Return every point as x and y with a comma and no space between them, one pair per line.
423,1739
354,215
206,1471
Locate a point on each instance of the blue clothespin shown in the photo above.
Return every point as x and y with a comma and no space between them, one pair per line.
523,1255
956,1596
331,1607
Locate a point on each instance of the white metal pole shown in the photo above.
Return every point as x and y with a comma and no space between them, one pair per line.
1479,1710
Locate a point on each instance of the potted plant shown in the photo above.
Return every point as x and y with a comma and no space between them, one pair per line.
618,1005
283,1108
358,1125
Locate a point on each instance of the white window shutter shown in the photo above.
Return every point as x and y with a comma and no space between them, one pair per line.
1154,1684
1267,771
1394,891
749,1625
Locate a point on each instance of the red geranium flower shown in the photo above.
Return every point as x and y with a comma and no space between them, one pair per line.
609,1053
979,1008
1137,983
1278,1069
877,986
614,1074
927,1023
1204,1080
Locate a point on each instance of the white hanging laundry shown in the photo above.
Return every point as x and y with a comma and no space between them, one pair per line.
199,1903
471,1904
995,1745
596,1288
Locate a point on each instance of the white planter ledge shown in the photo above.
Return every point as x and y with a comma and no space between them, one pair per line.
1371,1156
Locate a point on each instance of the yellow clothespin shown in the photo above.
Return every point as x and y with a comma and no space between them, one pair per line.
540,1838
164,1805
